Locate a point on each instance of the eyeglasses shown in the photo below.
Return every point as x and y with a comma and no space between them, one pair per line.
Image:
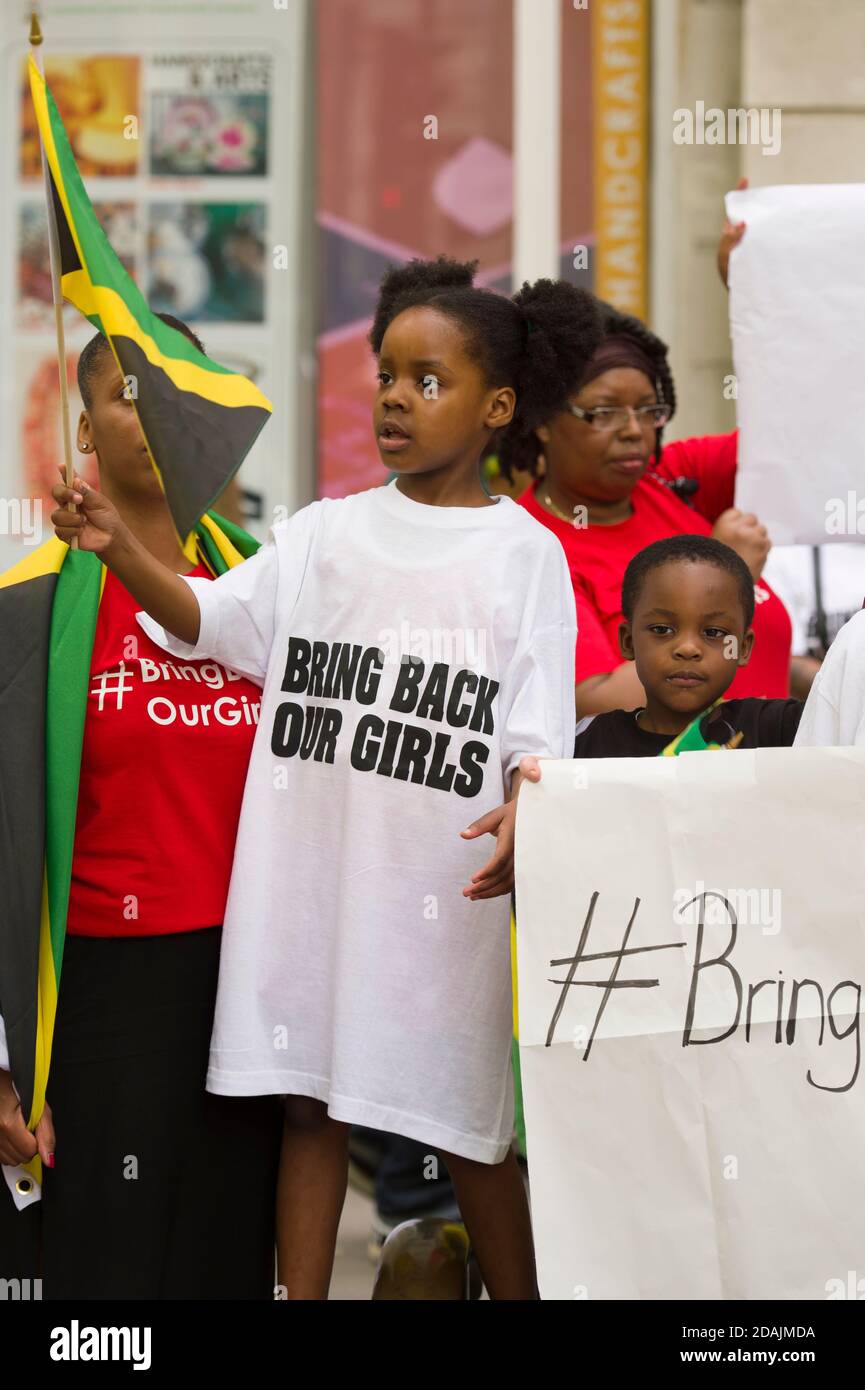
615,417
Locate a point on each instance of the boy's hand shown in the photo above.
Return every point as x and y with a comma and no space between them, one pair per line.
97,524
497,875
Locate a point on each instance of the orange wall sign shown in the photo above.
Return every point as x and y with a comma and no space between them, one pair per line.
620,66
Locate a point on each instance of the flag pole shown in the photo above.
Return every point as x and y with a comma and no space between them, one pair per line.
54,258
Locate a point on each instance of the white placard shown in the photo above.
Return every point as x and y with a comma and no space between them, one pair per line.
797,308
689,1135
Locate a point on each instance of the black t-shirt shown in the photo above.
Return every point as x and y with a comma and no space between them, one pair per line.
763,724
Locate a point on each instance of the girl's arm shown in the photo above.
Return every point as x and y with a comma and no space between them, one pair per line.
539,714
99,528
231,619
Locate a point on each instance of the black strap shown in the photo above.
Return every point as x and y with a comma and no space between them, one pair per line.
684,488
820,625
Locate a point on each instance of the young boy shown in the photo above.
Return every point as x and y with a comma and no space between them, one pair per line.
688,604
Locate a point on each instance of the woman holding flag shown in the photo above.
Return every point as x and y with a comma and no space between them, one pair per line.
119,799
152,1188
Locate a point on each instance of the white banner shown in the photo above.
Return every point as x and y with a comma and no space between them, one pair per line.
797,305
691,953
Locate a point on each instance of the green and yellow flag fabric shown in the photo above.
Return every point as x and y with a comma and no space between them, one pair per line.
691,739
199,419
48,607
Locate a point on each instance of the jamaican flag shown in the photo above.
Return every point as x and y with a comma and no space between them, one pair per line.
199,420
691,739
48,607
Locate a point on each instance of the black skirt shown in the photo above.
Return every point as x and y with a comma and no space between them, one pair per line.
160,1190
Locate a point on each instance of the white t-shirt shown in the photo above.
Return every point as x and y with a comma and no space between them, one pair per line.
353,970
790,571
834,712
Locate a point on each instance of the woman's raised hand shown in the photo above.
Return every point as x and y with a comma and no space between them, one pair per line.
744,533
731,235
95,525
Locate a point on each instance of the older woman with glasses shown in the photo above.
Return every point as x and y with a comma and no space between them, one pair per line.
604,485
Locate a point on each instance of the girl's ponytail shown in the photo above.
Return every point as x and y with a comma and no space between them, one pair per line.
563,328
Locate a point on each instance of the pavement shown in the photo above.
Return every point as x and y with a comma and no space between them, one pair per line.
353,1271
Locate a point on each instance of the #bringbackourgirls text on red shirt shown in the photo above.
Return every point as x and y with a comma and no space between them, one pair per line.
163,766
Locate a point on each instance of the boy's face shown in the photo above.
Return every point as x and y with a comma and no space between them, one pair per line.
687,636
432,407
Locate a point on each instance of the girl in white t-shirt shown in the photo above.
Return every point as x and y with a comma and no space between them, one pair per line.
413,642
834,713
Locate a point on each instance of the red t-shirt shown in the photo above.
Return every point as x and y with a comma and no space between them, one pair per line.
166,748
597,557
